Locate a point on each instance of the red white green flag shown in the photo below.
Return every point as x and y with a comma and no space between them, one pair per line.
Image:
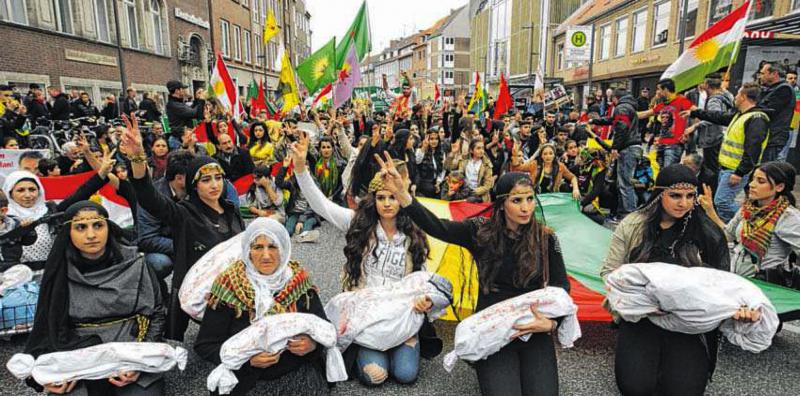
712,50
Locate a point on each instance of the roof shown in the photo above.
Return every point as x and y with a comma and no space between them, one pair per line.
588,11
447,20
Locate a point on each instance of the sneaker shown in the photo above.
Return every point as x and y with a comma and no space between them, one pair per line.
308,236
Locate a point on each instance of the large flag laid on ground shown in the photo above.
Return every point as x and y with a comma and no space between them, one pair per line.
504,101
319,69
349,76
358,34
287,85
584,244
270,27
478,101
712,50
223,88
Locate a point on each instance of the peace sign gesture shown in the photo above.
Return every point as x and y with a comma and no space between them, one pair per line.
106,163
392,180
299,150
132,137
540,324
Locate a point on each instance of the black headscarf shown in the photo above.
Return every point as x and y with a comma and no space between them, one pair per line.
192,177
51,325
673,176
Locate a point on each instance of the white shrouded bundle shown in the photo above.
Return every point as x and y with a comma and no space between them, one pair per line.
489,330
98,362
14,277
271,334
196,285
384,317
692,301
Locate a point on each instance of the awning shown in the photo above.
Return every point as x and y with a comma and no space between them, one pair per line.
787,24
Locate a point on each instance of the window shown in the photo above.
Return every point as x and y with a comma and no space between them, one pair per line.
691,18
133,30
622,36
224,38
762,9
604,42
717,9
258,49
661,22
63,11
499,36
639,27
560,57
14,11
247,44
158,33
796,5
101,17
237,42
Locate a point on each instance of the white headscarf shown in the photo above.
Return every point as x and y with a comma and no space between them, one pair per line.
38,209
265,286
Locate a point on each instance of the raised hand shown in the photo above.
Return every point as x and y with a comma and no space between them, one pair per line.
392,180
106,163
706,200
299,150
131,137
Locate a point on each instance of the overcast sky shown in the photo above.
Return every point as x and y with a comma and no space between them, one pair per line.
389,19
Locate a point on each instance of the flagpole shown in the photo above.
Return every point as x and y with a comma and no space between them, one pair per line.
738,46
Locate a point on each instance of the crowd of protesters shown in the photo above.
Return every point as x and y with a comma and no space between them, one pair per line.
317,163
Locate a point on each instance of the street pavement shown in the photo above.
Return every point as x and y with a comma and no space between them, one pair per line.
586,369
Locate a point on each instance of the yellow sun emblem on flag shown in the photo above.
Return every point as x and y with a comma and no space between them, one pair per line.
320,66
219,88
707,50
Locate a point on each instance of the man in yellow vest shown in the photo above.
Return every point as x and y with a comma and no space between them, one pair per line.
742,146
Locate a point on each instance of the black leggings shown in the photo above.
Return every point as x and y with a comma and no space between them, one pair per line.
501,374
653,361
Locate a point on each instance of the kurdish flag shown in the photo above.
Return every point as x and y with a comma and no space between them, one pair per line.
478,101
319,69
223,88
712,50
583,244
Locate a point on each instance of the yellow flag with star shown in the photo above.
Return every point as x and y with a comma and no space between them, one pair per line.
270,27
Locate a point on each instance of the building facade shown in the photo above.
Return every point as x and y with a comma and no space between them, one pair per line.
449,54
635,41
73,44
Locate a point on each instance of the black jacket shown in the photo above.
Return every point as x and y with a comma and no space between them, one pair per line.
128,105
778,101
181,115
36,108
624,123
150,109
110,111
10,122
238,164
755,131
60,109
81,109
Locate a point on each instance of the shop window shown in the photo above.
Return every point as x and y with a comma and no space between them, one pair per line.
718,9
622,36
661,13
14,11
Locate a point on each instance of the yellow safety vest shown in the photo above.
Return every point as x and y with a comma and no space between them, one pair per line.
730,154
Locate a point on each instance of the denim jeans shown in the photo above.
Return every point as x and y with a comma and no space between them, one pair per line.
626,167
770,154
174,143
725,199
160,263
231,194
401,362
668,154
294,218
785,151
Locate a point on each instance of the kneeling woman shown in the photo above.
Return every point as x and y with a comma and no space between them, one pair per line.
673,229
515,254
264,283
88,269
382,247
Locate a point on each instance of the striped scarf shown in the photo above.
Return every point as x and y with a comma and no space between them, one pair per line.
759,224
327,174
234,289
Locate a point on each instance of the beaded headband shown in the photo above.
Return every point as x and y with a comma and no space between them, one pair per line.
207,169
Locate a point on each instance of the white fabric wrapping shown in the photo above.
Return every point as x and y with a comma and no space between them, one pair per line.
14,277
692,301
196,285
383,317
97,362
486,332
271,334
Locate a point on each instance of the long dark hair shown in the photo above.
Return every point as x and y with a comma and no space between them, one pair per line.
263,139
780,173
698,235
530,247
361,235
553,165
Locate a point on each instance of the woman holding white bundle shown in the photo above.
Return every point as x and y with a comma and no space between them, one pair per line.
383,246
265,282
96,290
515,254
671,228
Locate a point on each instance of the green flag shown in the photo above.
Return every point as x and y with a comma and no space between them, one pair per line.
252,91
319,69
357,34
